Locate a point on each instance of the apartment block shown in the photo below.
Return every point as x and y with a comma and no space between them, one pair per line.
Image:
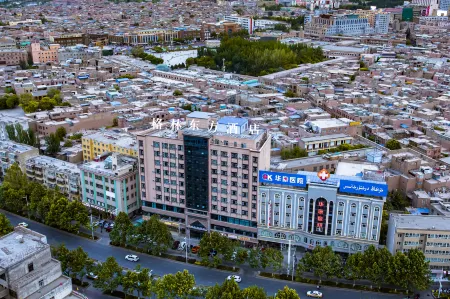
111,185
12,152
44,53
27,269
316,143
148,36
101,142
428,233
13,56
202,179
79,52
54,172
343,212
247,23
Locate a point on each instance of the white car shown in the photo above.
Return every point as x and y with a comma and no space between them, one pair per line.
23,224
235,278
132,258
315,294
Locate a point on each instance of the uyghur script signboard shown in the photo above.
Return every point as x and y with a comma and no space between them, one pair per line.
345,186
364,188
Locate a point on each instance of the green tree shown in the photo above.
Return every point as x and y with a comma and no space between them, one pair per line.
287,293
61,133
109,275
393,145
354,267
177,93
68,143
272,258
78,214
130,282
214,241
398,271
115,122
15,179
155,235
419,275
254,257
62,254
295,152
229,289
122,228
11,131
53,144
289,93
322,261
254,292
78,260
5,225
177,285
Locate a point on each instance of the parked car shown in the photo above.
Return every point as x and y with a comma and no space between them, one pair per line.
314,294
132,258
175,245
236,278
105,225
91,275
182,246
23,224
195,249
111,226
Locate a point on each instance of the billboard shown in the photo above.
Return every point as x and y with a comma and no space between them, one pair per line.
287,179
363,188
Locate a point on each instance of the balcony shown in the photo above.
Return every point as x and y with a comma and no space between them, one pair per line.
61,182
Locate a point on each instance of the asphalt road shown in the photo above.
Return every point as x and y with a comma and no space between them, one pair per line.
203,276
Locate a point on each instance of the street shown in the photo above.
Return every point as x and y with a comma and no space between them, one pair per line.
203,276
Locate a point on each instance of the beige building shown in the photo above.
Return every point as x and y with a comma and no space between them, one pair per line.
27,269
43,54
102,142
205,180
430,234
13,56
314,144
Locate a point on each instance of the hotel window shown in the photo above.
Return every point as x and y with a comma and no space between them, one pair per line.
300,226
288,206
353,205
300,216
339,222
341,204
340,213
302,199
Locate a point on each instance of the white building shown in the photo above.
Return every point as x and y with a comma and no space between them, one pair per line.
27,269
246,23
12,152
54,172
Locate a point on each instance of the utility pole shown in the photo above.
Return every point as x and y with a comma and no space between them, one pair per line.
293,266
289,257
92,227
186,245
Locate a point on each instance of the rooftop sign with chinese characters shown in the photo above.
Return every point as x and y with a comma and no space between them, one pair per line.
363,188
288,179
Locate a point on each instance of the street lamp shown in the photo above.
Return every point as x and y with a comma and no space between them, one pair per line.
92,227
186,245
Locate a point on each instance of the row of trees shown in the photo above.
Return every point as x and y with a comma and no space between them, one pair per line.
5,225
256,58
18,134
21,196
53,98
407,271
342,148
110,276
139,53
295,152
216,249
53,141
152,235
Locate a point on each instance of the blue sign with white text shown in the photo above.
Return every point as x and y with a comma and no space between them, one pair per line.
288,179
363,188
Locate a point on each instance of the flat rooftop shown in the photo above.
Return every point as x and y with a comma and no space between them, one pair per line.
12,146
424,222
109,137
295,163
353,169
325,137
328,123
56,164
20,244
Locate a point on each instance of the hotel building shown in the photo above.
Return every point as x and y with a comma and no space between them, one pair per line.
205,180
342,212
111,185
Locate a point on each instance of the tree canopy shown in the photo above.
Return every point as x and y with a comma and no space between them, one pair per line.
256,58
393,145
